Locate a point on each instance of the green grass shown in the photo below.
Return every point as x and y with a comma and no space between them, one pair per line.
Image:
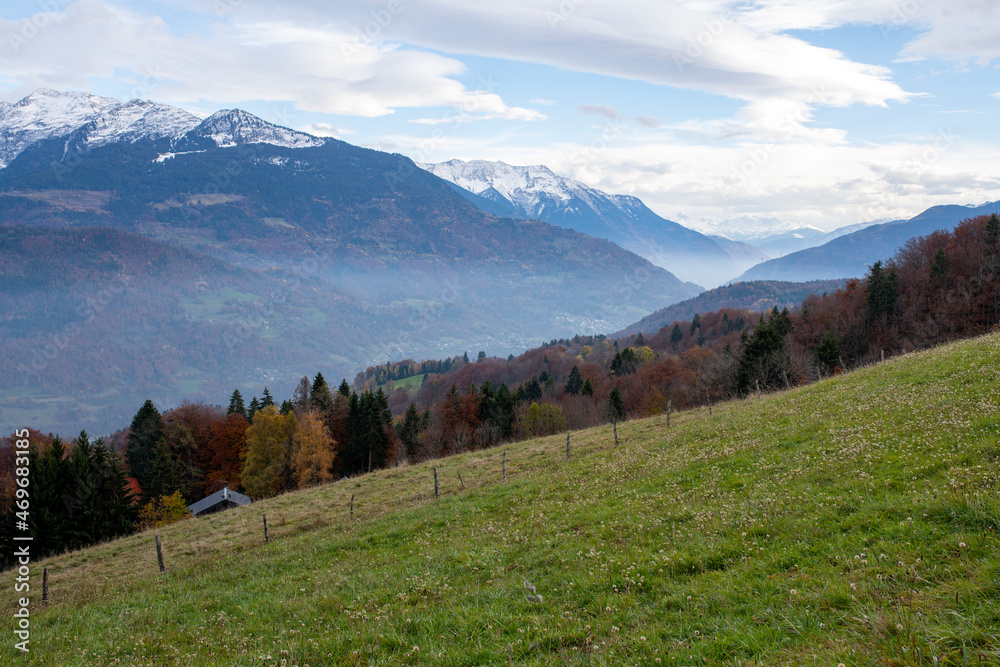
411,383
853,521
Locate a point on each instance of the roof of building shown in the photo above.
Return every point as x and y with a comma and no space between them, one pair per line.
221,496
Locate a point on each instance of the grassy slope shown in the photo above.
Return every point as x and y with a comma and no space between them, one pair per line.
851,521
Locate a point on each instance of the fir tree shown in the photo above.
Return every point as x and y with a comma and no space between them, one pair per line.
236,404
482,355
588,388
267,400
616,405
164,480
575,382
344,389
939,269
676,336
144,434
320,396
252,410
409,429
286,407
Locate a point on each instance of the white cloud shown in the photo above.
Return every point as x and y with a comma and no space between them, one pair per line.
325,130
602,110
318,66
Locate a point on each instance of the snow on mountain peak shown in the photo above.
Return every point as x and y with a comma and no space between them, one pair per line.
526,187
95,121
230,127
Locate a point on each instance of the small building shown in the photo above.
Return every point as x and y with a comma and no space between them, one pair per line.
218,501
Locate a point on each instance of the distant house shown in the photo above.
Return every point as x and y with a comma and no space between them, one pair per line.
218,501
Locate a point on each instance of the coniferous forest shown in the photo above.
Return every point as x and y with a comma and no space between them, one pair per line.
937,288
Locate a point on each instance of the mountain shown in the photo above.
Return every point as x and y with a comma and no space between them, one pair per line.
95,320
406,265
537,192
756,296
851,255
48,114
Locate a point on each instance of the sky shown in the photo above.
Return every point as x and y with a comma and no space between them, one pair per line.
800,112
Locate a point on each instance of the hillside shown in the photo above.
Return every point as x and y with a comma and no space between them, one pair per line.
851,255
96,320
852,521
756,296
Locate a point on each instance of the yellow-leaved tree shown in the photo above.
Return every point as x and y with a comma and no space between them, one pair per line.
314,451
267,470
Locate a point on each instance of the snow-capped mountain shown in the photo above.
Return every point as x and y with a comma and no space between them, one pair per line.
537,192
90,121
231,127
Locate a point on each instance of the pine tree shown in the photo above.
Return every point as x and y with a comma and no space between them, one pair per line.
575,382
145,433
616,405
253,409
164,479
268,400
236,404
344,389
286,407
676,336
409,429
588,388
51,477
465,357
482,355
320,396
939,269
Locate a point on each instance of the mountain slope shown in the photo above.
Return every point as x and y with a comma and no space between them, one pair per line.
851,255
818,509
94,321
756,296
537,192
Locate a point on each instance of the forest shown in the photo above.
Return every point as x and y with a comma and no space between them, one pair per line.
937,288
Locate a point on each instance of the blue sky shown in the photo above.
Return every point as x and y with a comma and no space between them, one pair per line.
821,113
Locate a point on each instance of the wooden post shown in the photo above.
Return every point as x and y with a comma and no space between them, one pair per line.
505,465
758,390
437,492
567,445
670,407
159,553
267,538
45,586
352,507
461,481
788,385
883,355
614,426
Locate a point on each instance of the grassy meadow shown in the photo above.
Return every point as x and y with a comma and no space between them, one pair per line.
852,521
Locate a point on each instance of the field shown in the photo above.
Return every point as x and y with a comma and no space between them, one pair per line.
852,521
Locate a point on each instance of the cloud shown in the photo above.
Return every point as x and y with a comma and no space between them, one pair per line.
542,102
481,105
656,41
318,66
610,113
648,121
325,130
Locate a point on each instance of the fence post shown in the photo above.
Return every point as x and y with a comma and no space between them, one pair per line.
267,537
567,445
437,492
758,390
505,465
352,507
45,586
461,481
159,553
614,426
670,406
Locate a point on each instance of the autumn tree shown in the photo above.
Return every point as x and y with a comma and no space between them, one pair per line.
313,460
267,470
228,448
